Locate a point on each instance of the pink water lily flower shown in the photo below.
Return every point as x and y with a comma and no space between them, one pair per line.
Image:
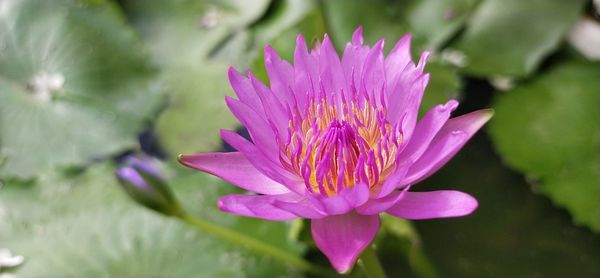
338,142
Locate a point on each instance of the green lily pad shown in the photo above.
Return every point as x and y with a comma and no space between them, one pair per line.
187,32
549,128
196,110
85,226
513,233
74,85
431,22
286,17
183,37
512,37
195,42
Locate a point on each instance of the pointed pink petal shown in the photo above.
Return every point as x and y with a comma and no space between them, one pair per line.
376,206
342,202
343,237
233,167
435,157
406,94
245,92
357,36
397,64
394,181
434,204
332,205
469,123
281,75
373,74
449,140
331,74
397,60
305,73
302,208
352,62
260,131
277,115
258,206
356,195
426,130
262,163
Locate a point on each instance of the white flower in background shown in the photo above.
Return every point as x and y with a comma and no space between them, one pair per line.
503,83
585,36
8,260
454,57
211,18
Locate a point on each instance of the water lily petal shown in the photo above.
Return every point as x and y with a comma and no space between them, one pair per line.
281,75
352,59
332,205
343,202
331,74
435,157
356,195
305,74
277,115
258,206
397,60
406,94
357,36
433,204
302,208
426,130
343,237
131,176
262,163
234,168
449,140
394,181
373,75
260,131
245,92
376,206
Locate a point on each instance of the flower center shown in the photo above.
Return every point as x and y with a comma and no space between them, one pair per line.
336,147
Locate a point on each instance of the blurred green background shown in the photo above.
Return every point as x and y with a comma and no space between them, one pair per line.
85,82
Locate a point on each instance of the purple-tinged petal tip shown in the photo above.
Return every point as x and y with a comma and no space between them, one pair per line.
423,59
131,176
300,40
357,36
270,54
231,71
